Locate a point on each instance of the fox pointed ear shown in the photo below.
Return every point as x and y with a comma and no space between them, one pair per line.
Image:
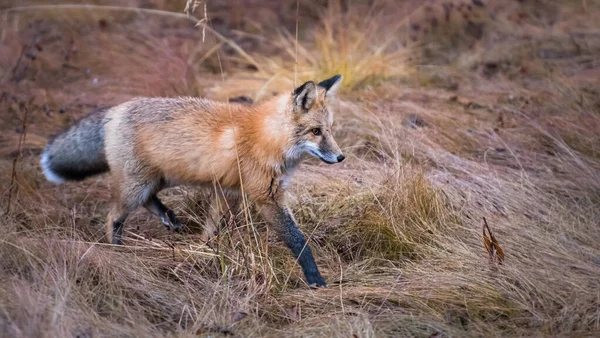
332,84
304,96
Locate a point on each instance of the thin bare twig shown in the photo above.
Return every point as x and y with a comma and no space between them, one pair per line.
14,187
187,16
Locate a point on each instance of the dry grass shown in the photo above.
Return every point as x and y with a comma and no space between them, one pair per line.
365,52
501,125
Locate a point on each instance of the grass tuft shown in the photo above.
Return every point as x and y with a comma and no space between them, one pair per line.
363,51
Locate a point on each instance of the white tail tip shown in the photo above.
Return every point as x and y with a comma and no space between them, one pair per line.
50,175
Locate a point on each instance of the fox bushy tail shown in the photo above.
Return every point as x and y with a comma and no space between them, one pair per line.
78,152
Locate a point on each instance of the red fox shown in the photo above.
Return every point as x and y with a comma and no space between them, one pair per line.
149,144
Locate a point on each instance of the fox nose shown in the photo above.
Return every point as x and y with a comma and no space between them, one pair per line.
340,158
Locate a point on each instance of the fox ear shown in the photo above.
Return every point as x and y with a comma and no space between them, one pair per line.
332,84
304,96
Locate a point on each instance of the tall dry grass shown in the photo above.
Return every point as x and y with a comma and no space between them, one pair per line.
396,229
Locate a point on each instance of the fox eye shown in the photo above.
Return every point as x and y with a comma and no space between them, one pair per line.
316,131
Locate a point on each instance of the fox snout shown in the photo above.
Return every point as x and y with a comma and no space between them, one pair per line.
331,159
326,156
328,151
334,149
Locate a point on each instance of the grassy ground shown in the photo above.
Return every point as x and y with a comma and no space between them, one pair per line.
451,111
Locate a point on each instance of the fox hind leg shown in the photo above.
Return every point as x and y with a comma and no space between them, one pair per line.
167,216
114,223
128,196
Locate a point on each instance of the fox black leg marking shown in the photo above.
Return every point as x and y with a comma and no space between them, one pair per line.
288,232
117,231
167,216
294,240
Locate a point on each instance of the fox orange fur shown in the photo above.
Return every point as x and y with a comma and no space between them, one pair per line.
149,144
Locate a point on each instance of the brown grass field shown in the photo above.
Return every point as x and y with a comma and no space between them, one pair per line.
450,111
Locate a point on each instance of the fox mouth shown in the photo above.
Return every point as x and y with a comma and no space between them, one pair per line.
325,159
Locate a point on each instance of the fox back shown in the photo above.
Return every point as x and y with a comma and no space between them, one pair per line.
197,141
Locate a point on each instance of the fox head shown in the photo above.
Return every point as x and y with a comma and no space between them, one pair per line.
313,121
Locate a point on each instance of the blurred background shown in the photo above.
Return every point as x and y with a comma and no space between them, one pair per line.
450,111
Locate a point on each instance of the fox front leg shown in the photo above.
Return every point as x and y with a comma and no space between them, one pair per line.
287,230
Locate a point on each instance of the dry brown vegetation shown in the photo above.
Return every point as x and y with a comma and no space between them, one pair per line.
451,111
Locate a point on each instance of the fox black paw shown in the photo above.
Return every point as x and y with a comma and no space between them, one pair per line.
316,282
172,223
175,227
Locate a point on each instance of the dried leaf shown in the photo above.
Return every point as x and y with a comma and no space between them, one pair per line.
491,244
